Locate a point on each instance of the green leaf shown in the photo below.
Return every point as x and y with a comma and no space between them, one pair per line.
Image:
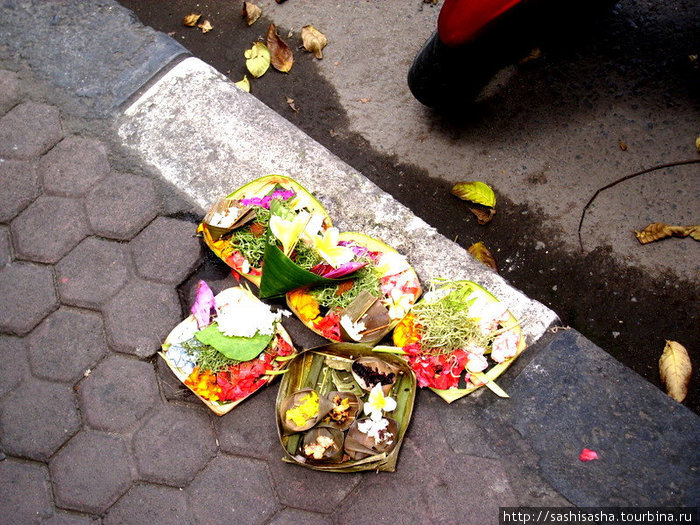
234,347
281,274
476,192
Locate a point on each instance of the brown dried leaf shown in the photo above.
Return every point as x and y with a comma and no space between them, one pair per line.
313,40
191,19
281,56
675,370
659,230
290,103
622,144
483,214
250,13
534,54
205,26
364,100
344,287
481,253
257,229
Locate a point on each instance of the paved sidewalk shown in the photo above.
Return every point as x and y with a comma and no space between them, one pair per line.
95,270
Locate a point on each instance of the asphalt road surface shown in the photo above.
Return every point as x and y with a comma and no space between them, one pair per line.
600,101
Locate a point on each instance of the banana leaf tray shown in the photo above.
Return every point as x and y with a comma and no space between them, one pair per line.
310,370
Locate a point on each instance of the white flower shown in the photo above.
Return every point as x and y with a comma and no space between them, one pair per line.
399,303
327,247
379,403
287,231
373,427
391,263
505,346
352,329
239,314
476,363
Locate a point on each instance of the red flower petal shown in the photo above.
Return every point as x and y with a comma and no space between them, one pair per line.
588,455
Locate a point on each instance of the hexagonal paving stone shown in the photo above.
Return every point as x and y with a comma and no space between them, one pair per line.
66,518
14,364
295,516
66,344
233,486
140,316
29,130
73,166
92,272
322,490
5,249
10,90
49,228
152,504
91,472
118,393
121,205
250,429
166,251
173,445
26,492
19,186
37,418
28,295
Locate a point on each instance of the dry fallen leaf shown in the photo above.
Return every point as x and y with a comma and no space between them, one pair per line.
534,54
243,84
191,19
250,13
257,59
697,143
281,55
290,103
313,40
659,230
622,144
675,370
205,26
479,194
480,252
365,100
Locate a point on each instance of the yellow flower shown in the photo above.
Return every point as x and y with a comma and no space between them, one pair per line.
406,332
287,231
204,384
306,410
327,247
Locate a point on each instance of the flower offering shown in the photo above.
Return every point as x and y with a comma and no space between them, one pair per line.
231,345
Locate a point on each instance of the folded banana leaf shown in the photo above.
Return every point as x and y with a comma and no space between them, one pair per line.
367,305
222,390
491,340
327,370
235,228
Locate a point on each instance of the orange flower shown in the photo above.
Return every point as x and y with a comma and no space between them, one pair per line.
305,305
406,332
204,384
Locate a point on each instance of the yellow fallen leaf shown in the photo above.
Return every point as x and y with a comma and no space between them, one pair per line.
250,13
675,370
205,26
313,40
480,252
534,54
257,59
477,192
243,84
281,55
697,143
659,230
191,19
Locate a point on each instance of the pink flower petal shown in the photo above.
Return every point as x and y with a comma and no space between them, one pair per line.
203,305
326,270
588,455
